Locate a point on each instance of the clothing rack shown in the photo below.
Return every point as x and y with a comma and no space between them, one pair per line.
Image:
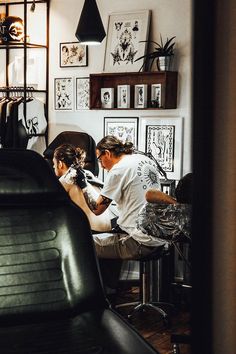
12,91
25,91
18,95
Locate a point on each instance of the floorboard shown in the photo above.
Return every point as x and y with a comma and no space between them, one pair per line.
151,325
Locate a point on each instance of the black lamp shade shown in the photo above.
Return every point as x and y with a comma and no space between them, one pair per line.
90,29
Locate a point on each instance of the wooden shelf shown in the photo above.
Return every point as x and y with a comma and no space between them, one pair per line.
168,79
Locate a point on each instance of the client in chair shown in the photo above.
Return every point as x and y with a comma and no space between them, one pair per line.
67,161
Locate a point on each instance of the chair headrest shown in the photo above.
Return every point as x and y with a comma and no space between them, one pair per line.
78,139
26,177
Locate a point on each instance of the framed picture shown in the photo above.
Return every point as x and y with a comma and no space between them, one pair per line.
73,54
107,97
82,93
123,96
140,96
168,186
125,129
157,95
123,47
163,138
63,94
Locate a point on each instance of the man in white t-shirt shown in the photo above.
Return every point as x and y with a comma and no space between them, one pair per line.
129,177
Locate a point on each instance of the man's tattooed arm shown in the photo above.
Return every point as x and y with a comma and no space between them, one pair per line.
96,206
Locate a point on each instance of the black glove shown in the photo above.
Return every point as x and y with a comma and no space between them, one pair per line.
81,179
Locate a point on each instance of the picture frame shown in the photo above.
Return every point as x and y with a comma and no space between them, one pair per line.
168,186
163,138
82,93
124,128
123,96
126,32
73,54
63,94
107,97
157,95
140,96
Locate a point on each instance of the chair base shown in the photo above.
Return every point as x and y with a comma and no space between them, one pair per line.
146,306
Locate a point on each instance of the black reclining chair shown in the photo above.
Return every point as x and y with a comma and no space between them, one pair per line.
78,139
52,299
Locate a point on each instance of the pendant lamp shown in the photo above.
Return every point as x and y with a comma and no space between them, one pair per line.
90,29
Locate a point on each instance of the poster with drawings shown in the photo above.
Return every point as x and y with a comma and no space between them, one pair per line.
63,94
126,31
82,93
125,129
163,138
73,54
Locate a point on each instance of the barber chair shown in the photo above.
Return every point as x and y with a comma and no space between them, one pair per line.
52,299
78,139
145,285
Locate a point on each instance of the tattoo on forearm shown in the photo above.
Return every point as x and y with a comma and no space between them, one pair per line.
90,201
105,201
92,204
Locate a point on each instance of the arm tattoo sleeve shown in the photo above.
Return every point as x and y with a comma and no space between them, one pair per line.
92,204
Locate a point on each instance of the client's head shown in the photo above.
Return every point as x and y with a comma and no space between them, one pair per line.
67,155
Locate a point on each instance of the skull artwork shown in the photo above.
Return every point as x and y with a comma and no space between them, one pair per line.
12,29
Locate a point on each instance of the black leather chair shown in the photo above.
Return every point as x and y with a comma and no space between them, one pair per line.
78,139
52,299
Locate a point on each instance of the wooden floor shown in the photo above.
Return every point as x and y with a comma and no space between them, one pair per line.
150,324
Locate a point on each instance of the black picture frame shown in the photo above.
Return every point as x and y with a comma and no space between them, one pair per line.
168,186
73,54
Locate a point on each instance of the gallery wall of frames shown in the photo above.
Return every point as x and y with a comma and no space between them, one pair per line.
118,98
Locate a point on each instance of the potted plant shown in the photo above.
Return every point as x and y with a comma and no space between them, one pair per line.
162,54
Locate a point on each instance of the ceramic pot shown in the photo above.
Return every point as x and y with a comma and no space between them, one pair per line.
164,63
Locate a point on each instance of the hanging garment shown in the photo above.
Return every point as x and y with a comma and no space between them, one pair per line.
34,124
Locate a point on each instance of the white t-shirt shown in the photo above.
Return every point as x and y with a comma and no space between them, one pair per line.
126,184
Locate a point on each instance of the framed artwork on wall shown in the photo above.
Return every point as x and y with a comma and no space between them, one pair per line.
157,95
140,96
63,94
162,136
107,97
73,54
82,93
123,46
168,186
123,96
124,128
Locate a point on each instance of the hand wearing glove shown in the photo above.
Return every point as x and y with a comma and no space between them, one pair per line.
81,179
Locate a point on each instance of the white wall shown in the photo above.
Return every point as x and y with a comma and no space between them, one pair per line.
169,17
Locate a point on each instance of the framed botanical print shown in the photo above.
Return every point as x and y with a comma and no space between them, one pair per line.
73,54
125,33
162,136
140,96
63,94
82,93
123,96
124,128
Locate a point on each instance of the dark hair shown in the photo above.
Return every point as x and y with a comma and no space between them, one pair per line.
70,155
115,145
184,189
